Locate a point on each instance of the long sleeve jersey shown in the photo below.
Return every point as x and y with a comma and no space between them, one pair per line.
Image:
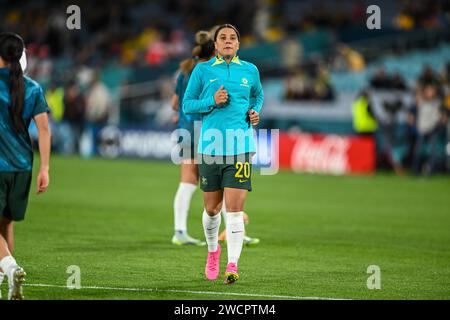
226,129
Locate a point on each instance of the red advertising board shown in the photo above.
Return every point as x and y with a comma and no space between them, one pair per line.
322,153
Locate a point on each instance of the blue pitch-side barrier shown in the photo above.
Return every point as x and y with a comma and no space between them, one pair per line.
120,142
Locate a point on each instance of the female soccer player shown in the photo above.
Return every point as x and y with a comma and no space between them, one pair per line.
21,99
203,51
222,90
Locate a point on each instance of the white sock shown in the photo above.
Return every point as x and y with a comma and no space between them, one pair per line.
211,228
2,276
235,235
181,205
8,264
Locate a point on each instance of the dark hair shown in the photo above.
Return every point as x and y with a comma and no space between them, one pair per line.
203,49
11,49
226,25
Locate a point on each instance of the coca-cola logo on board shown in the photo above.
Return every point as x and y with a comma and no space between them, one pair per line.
328,154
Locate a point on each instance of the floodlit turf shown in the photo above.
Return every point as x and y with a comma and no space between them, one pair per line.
318,234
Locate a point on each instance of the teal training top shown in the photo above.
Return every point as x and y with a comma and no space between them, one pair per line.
16,152
226,130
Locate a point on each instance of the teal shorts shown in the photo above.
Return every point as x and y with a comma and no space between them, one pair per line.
14,191
219,172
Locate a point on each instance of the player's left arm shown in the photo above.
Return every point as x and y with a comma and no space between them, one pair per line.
257,98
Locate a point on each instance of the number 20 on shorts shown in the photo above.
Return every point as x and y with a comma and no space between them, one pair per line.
245,167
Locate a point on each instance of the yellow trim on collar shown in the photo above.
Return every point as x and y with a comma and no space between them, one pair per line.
220,60
236,60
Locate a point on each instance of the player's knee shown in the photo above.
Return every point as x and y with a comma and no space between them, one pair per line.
213,210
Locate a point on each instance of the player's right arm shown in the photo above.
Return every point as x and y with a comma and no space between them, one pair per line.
191,101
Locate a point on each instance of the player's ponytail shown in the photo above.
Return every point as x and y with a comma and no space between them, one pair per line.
205,45
11,49
204,49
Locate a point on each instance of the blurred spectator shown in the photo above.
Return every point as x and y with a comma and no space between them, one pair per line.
398,83
261,19
163,118
98,109
178,45
291,53
358,12
364,121
380,79
322,85
388,130
98,102
404,21
74,114
40,66
157,53
427,77
298,86
84,76
427,14
55,100
349,58
313,84
430,119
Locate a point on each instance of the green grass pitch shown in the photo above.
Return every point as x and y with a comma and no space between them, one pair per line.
318,234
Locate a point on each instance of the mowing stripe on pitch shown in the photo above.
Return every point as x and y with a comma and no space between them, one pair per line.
186,291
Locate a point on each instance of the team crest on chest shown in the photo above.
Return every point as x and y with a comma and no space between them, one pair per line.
244,82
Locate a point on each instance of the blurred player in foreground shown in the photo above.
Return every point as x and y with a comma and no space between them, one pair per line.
21,99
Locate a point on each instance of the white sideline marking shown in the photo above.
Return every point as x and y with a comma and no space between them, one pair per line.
185,291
